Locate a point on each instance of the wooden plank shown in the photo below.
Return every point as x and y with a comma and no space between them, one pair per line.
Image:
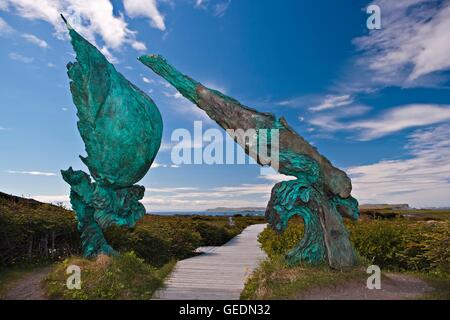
218,274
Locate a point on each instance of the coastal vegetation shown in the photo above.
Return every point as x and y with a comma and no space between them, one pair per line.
416,244
33,234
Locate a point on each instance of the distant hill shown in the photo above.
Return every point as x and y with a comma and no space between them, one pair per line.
244,209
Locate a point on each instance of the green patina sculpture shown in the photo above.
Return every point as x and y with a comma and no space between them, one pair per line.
122,129
320,194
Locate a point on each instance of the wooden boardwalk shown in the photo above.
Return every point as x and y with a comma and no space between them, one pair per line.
218,274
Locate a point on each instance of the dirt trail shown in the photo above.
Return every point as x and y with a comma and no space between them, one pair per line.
393,287
28,287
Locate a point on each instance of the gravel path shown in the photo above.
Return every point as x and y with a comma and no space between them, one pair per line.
29,286
393,287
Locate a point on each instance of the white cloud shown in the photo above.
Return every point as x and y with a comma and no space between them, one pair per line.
32,173
139,46
50,65
55,199
400,118
170,190
195,199
5,28
21,58
31,38
333,119
217,7
90,18
3,5
156,165
221,8
145,8
333,101
192,198
423,180
147,80
200,4
277,177
108,54
390,121
412,43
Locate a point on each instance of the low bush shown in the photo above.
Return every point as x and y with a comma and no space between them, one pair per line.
212,235
397,244
32,232
402,244
124,277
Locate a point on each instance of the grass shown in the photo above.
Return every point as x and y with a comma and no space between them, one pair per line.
123,277
275,280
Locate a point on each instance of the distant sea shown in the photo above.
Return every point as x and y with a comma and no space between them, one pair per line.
207,213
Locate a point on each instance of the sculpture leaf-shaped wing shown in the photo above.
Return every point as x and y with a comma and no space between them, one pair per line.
119,124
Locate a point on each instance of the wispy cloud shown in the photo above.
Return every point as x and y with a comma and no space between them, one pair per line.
400,118
221,8
333,120
333,101
170,190
217,7
147,80
387,122
192,199
31,38
65,199
145,8
138,46
412,43
32,173
21,58
200,4
422,180
5,28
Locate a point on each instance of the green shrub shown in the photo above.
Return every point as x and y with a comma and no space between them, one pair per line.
277,244
33,232
397,244
401,244
123,277
212,235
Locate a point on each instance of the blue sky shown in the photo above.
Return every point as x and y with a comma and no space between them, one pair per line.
376,103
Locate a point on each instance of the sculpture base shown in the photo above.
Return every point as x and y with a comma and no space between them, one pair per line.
98,207
326,240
